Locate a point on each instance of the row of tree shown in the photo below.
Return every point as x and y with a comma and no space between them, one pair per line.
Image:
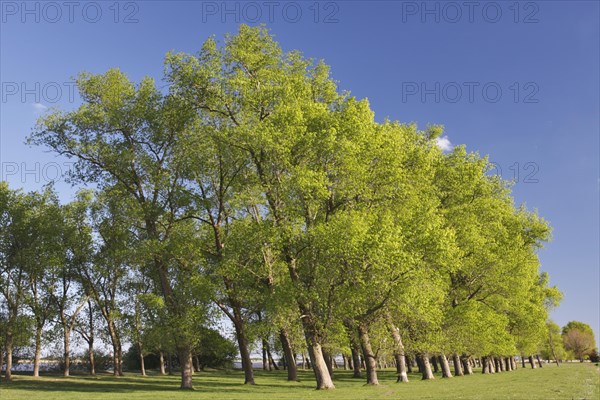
253,187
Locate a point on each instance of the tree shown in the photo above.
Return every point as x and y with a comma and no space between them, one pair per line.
578,337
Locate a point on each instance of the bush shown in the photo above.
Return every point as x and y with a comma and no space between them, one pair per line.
215,351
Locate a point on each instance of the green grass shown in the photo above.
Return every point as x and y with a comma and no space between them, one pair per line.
570,381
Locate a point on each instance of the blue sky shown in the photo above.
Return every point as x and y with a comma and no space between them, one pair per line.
516,80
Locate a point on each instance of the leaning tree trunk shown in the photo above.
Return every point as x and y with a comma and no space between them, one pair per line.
142,364
467,367
370,359
399,354
315,352
457,365
445,366
327,358
271,360
288,355
537,357
187,372
240,333
491,365
532,362
38,350
425,366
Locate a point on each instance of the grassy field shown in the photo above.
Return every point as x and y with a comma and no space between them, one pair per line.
570,381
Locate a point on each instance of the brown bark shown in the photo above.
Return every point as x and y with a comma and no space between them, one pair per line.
272,362
532,362
289,356
355,357
66,349
185,359
537,357
433,361
507,364
327,357
318,363
485,365
265,361
370,359
491,365
91,358
240,333
425,366
457,365
8,345
445,366
522,361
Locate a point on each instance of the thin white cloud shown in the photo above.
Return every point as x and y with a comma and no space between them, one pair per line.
39,107
444,143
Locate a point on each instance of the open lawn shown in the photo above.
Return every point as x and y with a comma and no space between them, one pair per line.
569,381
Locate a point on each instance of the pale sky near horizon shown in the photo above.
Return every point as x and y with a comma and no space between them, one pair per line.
516,80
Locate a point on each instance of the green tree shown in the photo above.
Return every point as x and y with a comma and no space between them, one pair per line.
578,337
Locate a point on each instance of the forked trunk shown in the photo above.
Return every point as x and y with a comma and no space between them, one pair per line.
457,365
425,366
288,354
370,359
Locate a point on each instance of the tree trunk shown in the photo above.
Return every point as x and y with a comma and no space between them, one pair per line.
8,345
370,360
67,355
468,368
315,354
185,360
399,355
435,364
38,351
170,363
409,363
513,363
197,363
271,360
327,358
289,356
491,365
142,364
117,350
240,333
161,357
355,358
265,361
537,357
523,361
445,366
532,362
485,365
91,357
457,365
425,366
